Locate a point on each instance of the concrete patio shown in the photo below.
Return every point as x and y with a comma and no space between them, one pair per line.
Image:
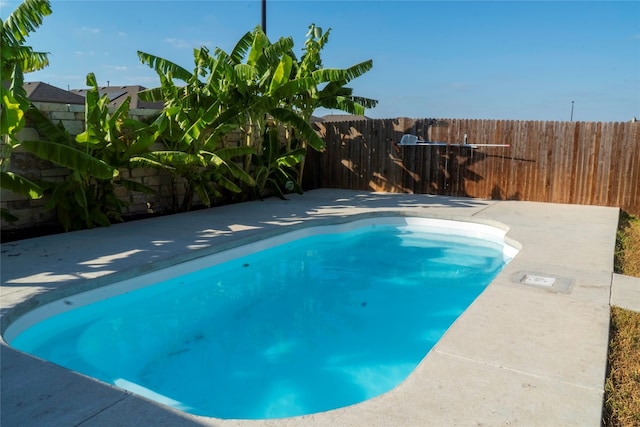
520,355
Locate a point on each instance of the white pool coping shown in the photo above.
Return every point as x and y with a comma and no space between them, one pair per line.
520,355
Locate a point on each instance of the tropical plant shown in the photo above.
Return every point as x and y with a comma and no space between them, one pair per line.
87,196
85,199
275,166
258,87
225,92
18,59
269,82
192,127
329,90
74,209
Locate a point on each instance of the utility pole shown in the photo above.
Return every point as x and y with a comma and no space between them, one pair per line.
264,16
571,110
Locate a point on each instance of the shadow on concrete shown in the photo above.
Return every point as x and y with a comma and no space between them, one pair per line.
48,261
55,384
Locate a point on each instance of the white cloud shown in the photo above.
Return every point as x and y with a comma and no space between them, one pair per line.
177,43
90,30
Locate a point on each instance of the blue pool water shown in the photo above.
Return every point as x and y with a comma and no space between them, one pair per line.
307,325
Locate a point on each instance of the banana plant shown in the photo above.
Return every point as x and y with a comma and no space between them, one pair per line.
113,138
225,92
275,166
111,135
192,126
18,59
72,198
86,197
329,90
256,82
268,75
334,94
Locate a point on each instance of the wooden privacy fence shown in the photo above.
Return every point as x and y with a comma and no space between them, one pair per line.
557,162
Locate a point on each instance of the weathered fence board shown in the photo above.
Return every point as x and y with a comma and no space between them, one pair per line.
558,162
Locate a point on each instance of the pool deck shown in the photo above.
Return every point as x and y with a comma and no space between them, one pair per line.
520,355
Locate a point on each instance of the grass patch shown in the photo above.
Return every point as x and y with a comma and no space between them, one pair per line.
627,256
622,386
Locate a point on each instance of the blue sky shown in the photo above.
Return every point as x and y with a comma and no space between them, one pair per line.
455,59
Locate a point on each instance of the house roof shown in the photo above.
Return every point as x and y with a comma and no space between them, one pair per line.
118,94
43,92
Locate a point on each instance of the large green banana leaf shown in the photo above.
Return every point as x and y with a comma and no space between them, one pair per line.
23,20
11,114
164,66
169,159
71,158
342,74
301,125
241,48
20,185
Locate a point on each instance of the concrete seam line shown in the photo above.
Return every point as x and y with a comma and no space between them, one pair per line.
106,408
519,371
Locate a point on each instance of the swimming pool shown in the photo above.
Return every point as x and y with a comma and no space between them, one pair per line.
299,323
